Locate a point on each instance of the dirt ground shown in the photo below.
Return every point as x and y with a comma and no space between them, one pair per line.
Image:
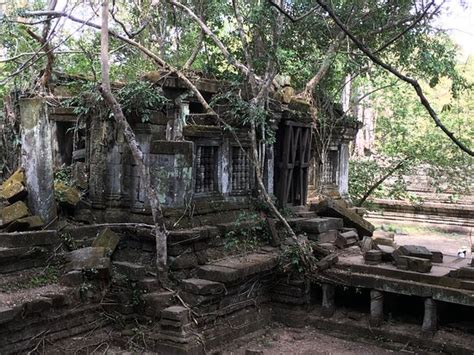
431,237
277,339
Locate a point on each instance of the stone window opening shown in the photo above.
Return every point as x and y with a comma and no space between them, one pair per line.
240,170
206,179
330,170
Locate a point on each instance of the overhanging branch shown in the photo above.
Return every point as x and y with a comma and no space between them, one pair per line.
414,83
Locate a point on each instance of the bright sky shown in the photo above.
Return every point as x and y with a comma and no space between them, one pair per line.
458,18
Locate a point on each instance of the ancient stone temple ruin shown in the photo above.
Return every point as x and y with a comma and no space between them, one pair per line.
75,215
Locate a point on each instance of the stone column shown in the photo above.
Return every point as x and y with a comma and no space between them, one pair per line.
139,200
376,308
328,305
430,319
269,169
37,157
343,183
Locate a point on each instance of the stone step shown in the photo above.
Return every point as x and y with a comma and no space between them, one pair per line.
29,239
202,287
17,259
234,269
134,272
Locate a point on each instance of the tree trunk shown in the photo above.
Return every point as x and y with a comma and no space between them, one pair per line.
160,229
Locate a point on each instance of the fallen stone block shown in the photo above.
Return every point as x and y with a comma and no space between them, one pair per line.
324,249
12,186
319,225
327,262
68,195
347,239
132,271
72,278
26,223
202,287
387,252
91,260
412,263
366,244
417,251
437,256
330,208
13,192
107,239
13,212
373,257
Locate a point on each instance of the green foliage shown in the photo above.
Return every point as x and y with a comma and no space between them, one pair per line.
139,99
240,112
68,241
298,260
64,175
249,233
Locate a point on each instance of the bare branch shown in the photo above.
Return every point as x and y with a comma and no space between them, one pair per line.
424,101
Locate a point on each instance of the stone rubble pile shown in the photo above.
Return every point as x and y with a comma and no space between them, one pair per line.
14,213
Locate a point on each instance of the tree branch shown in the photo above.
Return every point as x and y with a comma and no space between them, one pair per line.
137,153
381,180
424,101
291,18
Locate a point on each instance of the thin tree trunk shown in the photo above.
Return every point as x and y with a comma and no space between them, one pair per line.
160,229
380,181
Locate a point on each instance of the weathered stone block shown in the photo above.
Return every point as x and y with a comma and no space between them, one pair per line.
67,194
387,252
331,208
13,191
437,256
155,302
26,223
414,264
176,313
8,313
183,261
383,234
366,244
107,239
26,239
325,237
13,212
466,272
218,273
417,251
89,259
319,225
202,287
373,257
346,239
132,271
